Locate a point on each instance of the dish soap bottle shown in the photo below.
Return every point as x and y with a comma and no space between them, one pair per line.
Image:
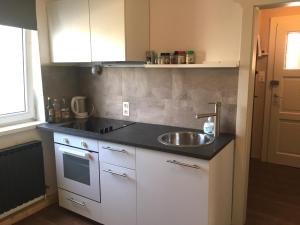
209,126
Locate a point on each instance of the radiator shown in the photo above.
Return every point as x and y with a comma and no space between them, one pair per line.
21,175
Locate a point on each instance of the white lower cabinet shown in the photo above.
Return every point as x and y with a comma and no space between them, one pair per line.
78,204
118,191
179,190
147,187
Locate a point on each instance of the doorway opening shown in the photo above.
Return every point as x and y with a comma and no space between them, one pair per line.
274,179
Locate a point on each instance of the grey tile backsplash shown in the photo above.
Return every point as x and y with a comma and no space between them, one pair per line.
60,81
163,96
160,96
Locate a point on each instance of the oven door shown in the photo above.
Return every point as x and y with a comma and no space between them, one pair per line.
78,171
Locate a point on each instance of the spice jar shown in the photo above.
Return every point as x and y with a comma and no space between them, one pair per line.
180,57
172,58
190,57
167,59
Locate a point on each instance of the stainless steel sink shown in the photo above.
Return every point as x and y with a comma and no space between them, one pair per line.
185,139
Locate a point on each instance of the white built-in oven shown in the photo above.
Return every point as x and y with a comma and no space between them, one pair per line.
78,171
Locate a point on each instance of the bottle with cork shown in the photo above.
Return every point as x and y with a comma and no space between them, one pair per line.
65,110
57,111
50,111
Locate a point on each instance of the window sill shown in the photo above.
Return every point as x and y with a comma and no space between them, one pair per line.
19,128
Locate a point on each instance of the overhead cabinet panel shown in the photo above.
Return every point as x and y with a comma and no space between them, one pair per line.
69,30
107,30
98,30
119,30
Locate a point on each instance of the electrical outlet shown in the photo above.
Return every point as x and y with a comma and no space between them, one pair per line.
125,108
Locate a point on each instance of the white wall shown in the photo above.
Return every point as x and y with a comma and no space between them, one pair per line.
210,27
42,25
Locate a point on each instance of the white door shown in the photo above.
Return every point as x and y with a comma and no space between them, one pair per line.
284,135
169,193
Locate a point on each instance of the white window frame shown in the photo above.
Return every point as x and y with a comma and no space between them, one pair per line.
29,114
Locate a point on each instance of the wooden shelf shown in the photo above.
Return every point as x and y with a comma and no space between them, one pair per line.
233,64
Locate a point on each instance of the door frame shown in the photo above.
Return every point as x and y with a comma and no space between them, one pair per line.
268,92
245,101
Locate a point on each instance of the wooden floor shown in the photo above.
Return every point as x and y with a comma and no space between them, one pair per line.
274,194
55,215
274,199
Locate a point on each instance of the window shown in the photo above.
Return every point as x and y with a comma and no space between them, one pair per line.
16,99
292,58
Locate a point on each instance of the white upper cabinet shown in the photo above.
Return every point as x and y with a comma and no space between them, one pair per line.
69,31
107,30
119,30
98,30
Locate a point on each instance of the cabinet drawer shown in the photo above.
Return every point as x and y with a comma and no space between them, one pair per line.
81,205
118,188
119,155
76,141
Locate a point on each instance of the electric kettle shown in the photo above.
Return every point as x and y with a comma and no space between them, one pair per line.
78,107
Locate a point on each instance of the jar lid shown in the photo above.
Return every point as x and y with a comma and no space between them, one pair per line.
179,52
190,52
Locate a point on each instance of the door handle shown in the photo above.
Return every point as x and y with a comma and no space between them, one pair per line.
274,83
83,155
183,164
114,173
277,96
76,202
114,150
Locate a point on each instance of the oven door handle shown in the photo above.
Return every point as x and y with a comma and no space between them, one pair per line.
79,154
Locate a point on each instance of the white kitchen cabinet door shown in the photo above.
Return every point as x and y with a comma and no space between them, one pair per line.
168,193
118,195
69,30
119,30
108,30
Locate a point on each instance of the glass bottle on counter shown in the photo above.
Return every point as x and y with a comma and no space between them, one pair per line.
57,111
50,111
65,110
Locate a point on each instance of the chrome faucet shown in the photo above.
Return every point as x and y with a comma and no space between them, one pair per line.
215,114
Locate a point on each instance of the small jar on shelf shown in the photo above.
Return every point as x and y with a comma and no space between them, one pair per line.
180,57
190,57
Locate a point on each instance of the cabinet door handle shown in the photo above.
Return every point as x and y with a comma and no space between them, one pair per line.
76,202
114,150
183,164
114,173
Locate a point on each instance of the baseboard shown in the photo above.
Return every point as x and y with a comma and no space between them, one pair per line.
29,210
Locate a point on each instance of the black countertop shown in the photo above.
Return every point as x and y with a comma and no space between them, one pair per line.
144,135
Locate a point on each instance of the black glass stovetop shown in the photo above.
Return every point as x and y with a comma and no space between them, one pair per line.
98,125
